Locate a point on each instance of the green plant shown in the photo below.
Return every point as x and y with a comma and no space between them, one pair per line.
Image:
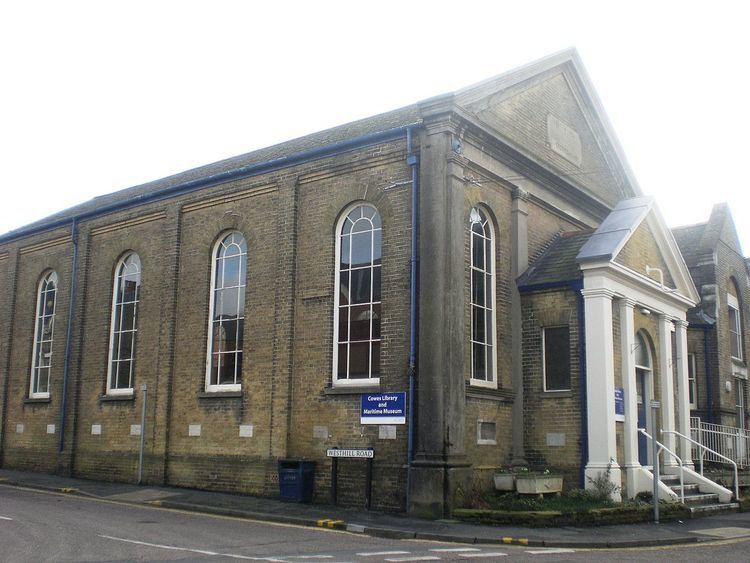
602,486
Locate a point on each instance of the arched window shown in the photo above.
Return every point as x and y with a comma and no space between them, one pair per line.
642,353
44,329
122,334
227,314
735,321
483,368
356,356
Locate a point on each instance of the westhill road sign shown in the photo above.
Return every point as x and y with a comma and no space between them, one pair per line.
363,453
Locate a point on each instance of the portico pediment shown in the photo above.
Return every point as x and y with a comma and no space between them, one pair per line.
634,241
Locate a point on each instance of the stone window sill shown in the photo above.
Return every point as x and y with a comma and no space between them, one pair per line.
557,394
488,393
351,390
37,401
117,398
220,395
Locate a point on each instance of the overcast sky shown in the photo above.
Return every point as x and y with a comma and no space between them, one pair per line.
99,96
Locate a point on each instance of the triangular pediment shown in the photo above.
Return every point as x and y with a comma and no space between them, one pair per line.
635,237
549,111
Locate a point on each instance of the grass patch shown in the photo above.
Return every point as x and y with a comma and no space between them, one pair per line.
511,502
578,508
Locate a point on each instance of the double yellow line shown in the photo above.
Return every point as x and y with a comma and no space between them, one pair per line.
333,524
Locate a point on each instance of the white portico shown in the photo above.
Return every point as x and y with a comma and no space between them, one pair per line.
634,285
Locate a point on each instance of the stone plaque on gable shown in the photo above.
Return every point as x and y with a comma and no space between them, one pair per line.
564,140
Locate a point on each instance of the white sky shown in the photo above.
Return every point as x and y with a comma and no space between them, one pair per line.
99,96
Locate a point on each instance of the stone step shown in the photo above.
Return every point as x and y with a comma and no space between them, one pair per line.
711,509
689,489
701,499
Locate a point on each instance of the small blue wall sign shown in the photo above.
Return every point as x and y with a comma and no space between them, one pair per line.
383,408
619,404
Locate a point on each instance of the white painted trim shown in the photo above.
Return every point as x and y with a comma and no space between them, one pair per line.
211,303
487,384
32,379
335,381
115,291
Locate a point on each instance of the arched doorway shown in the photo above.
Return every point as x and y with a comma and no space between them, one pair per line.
644,390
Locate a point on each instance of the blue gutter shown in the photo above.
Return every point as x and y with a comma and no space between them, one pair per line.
575,285
229,175
413,161
69,334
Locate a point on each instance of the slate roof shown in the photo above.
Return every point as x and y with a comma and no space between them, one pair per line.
688,238
616,229
390,120
558,263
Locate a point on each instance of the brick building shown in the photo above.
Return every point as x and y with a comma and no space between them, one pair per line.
259,298
717,335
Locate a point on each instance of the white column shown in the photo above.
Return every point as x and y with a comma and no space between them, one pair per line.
667,386
683,391
600,387
631,464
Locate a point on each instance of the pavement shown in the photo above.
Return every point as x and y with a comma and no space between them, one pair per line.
384,525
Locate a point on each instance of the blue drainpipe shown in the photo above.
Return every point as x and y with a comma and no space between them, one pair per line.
413,161
69,334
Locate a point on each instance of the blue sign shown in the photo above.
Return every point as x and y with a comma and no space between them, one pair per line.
619,404
383,408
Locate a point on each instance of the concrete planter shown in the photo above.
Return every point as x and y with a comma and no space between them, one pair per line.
539,484
505,481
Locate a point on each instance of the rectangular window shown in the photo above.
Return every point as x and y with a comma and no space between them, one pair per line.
735,330
556,361
692,383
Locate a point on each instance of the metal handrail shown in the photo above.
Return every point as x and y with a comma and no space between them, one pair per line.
736,474
662,447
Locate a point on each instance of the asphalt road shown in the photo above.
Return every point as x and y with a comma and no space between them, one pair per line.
38,526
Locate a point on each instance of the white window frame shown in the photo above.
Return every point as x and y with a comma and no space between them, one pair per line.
222,387
480,215
735,332
544,360
359,382
692,381
38,314
114,331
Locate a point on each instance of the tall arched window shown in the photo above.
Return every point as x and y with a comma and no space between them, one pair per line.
227,314
356,356
122,334
44,329
483,368
735,320
644,386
